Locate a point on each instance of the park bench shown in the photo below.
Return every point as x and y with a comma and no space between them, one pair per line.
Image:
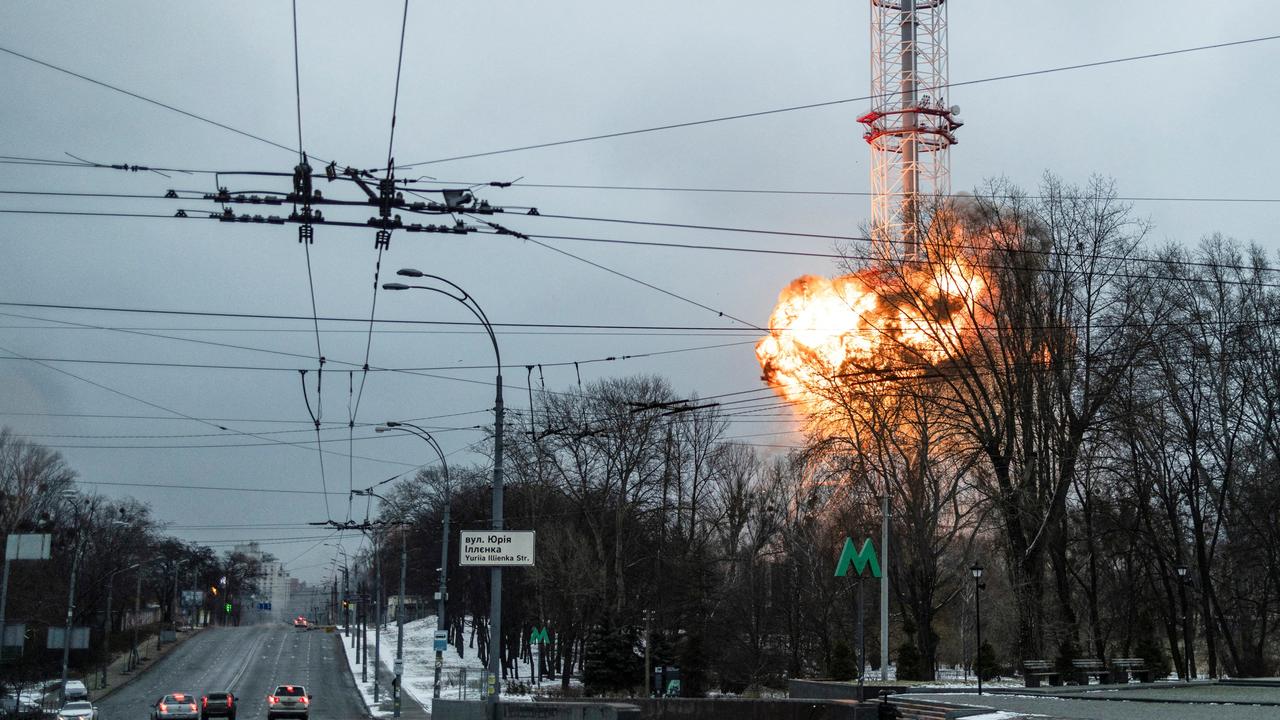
1033,670
1124,668
1090,667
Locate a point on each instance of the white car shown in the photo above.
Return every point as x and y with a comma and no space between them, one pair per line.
75,690
78,710
22,705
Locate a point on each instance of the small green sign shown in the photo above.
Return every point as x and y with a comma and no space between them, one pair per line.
539,635
860,559
228,608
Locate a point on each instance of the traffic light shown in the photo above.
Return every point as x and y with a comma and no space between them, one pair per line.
214,589
228,608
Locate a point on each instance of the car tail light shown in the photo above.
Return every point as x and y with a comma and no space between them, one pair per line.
204,702
193,707
305,700
164,708
229,699
272,699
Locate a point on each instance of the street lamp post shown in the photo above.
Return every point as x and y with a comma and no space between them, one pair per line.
1187,670
404,557
106,632
137,611
346,592
495,573
71,496
978,585
442,594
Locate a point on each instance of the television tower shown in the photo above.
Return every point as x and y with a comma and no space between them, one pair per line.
910,126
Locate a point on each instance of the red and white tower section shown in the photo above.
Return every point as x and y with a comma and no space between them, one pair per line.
911,125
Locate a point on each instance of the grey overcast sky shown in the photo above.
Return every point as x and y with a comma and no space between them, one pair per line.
480,76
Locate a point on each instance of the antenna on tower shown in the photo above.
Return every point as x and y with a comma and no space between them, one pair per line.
910,125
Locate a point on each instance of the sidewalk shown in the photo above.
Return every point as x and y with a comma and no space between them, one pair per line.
410,707
118,674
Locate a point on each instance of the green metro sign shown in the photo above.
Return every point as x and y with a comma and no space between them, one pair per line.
858,558
539,635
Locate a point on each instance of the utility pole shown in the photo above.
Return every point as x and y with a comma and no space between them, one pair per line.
71,609
648,661
137,613
493,689
443,593
885,510
362,621
377,614
71,601
404,557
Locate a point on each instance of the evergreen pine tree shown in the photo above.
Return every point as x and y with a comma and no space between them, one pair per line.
986,665
909,662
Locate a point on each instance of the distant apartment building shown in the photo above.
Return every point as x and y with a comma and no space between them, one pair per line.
273,586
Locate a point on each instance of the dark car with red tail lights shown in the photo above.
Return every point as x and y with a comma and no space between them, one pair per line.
218,704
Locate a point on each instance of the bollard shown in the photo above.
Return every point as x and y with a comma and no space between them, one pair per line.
885,711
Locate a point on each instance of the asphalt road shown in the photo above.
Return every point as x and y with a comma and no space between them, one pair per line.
250,662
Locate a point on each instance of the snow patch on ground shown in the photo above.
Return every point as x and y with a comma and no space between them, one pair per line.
461,673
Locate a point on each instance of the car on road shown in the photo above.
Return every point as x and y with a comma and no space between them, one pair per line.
74,690
176,706
288,701
218,704
20,706
78,710
300,622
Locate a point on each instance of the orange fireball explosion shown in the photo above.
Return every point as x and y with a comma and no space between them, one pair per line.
823,332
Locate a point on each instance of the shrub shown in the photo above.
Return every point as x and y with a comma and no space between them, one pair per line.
1153,653
843,664
986,665
910,664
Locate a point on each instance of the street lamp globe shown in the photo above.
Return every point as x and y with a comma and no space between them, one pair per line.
409,272
976,571
1182,570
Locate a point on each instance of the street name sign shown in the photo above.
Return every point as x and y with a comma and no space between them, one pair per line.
496,548
441,640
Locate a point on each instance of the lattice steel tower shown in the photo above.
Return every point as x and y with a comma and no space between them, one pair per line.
910,125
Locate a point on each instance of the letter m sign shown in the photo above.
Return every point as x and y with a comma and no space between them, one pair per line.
860,559
538,635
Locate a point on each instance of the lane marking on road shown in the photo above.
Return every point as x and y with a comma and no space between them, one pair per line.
248,658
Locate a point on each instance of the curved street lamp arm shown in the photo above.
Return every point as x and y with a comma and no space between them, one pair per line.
469,303
431,440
